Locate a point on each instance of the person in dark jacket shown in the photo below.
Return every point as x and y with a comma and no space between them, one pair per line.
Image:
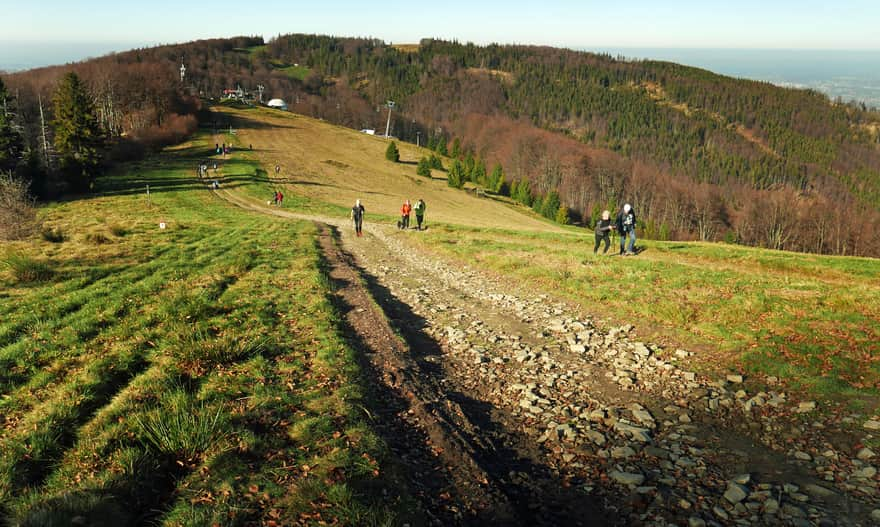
420,212
603,232
357,217
626,226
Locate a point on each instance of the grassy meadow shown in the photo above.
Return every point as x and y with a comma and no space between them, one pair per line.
194,375
811,320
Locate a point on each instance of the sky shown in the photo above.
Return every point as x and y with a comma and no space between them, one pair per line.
744,24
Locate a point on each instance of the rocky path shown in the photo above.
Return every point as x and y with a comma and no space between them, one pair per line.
535,416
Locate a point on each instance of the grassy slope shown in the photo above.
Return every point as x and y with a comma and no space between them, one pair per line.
334,165
189,376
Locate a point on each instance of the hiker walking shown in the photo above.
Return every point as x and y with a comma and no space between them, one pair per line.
275,198
277,169
626,226
357,217
404,215
603,232
420,213
280,198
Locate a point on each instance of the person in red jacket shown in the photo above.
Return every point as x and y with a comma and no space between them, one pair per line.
405,210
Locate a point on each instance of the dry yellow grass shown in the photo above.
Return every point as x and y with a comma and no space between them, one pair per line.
337,165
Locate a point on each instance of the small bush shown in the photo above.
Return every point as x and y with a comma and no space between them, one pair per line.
55,235
18,217
26,269
118,230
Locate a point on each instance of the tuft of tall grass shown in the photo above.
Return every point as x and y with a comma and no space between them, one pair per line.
27,269
183,431
97,238
118,230
55,235
194,345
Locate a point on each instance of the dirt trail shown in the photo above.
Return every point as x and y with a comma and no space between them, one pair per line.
533,416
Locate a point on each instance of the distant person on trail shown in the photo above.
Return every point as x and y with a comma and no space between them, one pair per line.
275,198
420,213
404,214
357,217
277,169
626,226
280,198
603,232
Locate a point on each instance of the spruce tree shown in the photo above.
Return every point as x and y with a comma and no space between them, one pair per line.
441,146
456,175
391,153
424,167
11,142
478,175
77,134
456,148
562,216
496,180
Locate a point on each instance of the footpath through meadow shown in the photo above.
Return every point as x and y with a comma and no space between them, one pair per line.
509,406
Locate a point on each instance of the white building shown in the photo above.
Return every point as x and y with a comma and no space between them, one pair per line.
277,103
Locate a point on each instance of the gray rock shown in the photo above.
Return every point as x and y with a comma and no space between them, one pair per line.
720,513
623,452
596,437
871,424
807,406
819,492
735,379
735,493
657,452
875,515
865,454
803,456
694,521
639,434
771,507
865,473
742,479
626,478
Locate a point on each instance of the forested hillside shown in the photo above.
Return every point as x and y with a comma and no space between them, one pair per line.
700,156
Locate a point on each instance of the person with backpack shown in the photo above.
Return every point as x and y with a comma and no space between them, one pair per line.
626,226
603,232
420,213
404,214
357,217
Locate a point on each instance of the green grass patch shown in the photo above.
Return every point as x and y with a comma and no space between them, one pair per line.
155,379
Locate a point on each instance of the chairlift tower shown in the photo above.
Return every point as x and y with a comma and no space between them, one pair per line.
390,105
